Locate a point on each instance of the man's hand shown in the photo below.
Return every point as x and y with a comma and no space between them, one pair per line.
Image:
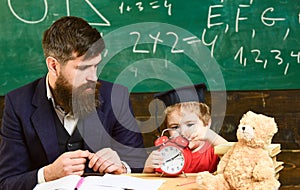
66,164
106,161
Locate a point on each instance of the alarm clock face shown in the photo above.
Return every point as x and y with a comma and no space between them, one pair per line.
173,160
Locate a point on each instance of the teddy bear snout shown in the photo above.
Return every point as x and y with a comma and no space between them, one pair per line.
246,129
245,132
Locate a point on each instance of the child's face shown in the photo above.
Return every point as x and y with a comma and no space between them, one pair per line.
185,122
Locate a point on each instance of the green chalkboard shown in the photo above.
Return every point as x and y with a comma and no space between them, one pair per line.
153,45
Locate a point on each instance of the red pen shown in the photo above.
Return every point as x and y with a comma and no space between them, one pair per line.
80,182
187,183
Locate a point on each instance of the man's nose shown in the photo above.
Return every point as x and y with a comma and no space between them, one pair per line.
92,74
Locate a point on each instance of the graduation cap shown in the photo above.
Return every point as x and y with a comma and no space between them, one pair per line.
193,93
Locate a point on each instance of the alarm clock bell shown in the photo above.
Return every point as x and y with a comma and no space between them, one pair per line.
176,155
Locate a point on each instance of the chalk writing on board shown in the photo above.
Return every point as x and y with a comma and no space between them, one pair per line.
258,59
29,21
268,21
140,6
106,21
156,39
191,40
265,19
242,35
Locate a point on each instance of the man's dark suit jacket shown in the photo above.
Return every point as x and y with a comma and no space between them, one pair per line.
29,139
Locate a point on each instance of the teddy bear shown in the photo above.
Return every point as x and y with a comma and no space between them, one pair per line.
246,165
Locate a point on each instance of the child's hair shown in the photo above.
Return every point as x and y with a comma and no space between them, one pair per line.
201,109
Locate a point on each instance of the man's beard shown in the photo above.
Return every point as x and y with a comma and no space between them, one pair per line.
76,101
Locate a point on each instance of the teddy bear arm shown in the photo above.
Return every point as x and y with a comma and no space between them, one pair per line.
264,170
223,161
208,181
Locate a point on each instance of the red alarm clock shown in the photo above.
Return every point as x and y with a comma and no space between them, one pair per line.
176,155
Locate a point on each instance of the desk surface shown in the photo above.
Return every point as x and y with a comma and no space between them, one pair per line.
173,183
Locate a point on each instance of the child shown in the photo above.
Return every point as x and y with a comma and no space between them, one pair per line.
187,116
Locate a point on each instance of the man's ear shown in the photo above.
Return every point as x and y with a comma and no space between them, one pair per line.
52,65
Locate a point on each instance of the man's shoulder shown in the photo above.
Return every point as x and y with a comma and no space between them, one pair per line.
112,92
110,85
25,90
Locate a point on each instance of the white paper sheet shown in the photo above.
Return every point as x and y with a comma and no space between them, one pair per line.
106,182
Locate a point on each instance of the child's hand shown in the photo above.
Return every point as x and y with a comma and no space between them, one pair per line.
155,160
196,134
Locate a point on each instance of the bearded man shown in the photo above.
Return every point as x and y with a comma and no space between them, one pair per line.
69,121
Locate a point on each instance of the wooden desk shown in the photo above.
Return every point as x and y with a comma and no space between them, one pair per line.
172,183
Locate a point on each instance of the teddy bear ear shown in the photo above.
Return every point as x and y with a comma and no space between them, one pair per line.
250,113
